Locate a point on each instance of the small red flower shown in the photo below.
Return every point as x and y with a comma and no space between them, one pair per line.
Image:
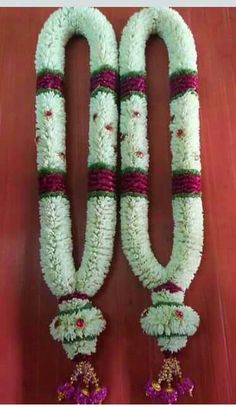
48,113
80,323
62,155
179,313
109,127
139,154
179,132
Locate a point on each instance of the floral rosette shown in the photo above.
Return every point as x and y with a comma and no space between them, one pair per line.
169,320
77,327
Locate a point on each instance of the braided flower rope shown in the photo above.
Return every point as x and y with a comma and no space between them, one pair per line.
79,323
168,319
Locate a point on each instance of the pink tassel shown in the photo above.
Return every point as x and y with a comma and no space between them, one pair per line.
83,387
169,384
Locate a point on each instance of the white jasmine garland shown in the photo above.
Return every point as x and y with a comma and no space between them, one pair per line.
171,329
55,235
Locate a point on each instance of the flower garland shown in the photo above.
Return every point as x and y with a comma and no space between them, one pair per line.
79,323
168,319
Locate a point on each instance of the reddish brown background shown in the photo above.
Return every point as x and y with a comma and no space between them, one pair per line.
31,363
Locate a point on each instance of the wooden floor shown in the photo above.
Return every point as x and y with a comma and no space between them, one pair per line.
31,363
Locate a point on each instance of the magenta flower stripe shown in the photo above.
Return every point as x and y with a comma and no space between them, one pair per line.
106,78
53,182
50,80
132,83
101,180
182,83
186,184
134,183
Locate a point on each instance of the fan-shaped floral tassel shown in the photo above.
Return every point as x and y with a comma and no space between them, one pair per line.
169,384
83,387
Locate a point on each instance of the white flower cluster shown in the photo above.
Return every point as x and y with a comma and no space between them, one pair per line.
55,237
170,26
187,210
78,323
68,21
167,297
50,147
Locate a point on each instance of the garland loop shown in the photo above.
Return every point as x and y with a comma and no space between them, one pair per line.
168,319
79,323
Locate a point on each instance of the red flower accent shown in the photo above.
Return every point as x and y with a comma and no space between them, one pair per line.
80,323
62,155
179,313
109,127
48,113
139,154
179,132
57,323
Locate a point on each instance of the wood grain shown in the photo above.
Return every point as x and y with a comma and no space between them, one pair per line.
31,363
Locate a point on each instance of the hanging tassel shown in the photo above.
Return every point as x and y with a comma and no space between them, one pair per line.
83,387
170,384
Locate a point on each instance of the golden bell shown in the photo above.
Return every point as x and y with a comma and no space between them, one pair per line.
85,392
60,396
156,386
